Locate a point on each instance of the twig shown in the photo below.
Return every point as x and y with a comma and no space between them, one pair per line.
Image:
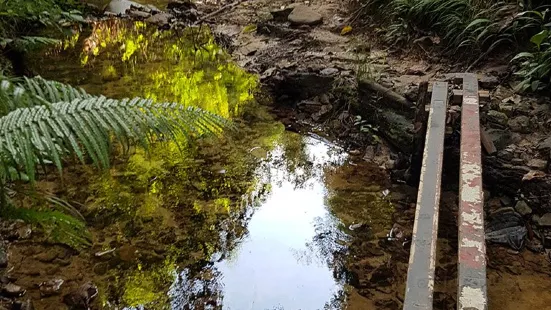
220,10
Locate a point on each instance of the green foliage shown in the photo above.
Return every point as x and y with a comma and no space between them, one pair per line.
534,67
21,22
44,121
467,25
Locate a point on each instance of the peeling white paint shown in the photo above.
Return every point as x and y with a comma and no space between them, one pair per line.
470,100
472,298
472,194
471,218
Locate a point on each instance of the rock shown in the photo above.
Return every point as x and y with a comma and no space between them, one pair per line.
488,81
522,208
47,257
356,226
281,15
50,288
520,124
23,305
119,7
329,71
12,290
500,138
139,14
161,19
507,108
82,297
523,108
3,255
544,145
544,220
497,117
539,164
303,15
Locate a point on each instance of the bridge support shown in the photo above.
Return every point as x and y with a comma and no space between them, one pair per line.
472,293
420,279
472,248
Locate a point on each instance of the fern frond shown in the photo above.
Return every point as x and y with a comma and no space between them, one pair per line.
32,135
28,92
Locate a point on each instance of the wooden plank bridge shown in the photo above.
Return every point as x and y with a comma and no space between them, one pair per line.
471,293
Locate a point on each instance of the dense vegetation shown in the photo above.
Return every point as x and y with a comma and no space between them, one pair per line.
472,30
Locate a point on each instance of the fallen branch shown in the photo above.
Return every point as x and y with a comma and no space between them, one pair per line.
220,10
388,94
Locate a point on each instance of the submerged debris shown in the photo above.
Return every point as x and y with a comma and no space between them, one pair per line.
507,227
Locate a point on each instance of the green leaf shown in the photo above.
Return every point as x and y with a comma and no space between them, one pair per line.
539,38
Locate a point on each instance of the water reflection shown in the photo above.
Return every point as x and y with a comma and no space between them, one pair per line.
243,221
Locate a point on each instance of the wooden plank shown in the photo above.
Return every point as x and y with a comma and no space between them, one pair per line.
420,278
472,293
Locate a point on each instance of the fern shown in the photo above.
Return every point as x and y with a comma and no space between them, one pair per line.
32,135
43,121
28,92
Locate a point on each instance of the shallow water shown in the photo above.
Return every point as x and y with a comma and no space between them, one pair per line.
256,219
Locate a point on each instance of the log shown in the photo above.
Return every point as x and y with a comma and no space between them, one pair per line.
398,100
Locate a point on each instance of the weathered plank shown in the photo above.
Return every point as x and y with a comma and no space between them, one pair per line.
472,293
420,278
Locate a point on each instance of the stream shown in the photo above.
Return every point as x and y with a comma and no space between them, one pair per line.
259,218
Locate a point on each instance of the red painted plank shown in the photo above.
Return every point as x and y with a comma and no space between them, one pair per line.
472,294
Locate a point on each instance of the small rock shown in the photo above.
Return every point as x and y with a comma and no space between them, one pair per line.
544,220
522,208
501,138
81,298
119,7
507,108
161,19
356,226
12,290
520,124
47,257
3,256
523,108
23,305
539,164
329,71
50,288
303,15
488,81
545,145
139,14
281,15
497,117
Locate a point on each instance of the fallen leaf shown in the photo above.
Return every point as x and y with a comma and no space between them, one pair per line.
533,174
346,30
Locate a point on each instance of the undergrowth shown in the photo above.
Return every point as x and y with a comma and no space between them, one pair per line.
471,30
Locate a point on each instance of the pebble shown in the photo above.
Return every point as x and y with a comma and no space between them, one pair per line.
12,290
303,15
497,117
160,19
81,298
522,208
329,71
520,124
50,288
539,164
544,220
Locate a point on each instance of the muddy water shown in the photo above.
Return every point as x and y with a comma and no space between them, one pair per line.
259,218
